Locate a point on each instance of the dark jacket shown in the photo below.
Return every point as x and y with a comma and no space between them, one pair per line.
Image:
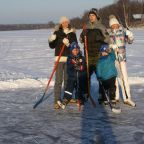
79,66
96,35
58,42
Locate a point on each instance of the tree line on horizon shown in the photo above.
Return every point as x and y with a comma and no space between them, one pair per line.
122,9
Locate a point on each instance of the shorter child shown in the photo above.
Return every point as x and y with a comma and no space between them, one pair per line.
77,76
107,73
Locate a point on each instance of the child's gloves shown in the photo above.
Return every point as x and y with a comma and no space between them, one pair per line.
73,61
99,79
81,68
52,38
130,35
113,46
66,42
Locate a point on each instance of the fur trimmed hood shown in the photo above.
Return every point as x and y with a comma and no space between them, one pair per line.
69,30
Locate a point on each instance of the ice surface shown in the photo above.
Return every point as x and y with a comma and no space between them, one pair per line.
26,62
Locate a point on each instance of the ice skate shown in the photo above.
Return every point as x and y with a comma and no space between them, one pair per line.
56,106
61,104
130,102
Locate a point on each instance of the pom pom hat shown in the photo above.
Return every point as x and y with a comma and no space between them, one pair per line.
64,19
74,45
113,20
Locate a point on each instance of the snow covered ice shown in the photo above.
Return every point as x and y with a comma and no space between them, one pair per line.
26,62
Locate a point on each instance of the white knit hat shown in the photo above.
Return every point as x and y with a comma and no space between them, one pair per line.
113,20
64,19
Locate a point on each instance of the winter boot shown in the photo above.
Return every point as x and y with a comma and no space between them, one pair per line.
63,106
73,100
63,103
113,102
56,106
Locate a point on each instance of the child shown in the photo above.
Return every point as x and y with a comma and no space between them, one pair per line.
106,72
119,37
76,70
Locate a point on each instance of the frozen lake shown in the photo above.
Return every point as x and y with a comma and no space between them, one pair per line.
26,61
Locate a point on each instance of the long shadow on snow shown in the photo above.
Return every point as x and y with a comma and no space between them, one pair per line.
96,122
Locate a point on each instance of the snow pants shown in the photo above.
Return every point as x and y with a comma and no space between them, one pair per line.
61,75
123,80
110,88
79,83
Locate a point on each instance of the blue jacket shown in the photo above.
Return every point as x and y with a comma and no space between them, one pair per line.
72,68
105,68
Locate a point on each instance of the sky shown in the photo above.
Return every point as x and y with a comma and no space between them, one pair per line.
43,11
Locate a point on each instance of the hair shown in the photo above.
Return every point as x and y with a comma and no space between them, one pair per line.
60,26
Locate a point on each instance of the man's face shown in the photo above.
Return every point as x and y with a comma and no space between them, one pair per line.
92,18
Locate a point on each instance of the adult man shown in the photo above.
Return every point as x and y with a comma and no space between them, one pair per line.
96,35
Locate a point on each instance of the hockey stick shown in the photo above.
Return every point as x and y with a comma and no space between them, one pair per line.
87,62
114,110
125,16
54,69
77,92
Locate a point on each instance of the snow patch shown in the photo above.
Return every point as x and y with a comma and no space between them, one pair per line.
24,83
42,82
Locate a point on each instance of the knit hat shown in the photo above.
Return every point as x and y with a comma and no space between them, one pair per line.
95,12
113,20
74,45
104,48
64,19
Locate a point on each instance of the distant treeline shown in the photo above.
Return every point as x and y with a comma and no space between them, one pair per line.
122,9
26,26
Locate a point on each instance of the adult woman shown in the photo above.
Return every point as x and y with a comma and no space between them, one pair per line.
63,35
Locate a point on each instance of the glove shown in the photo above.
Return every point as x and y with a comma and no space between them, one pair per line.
52,38
130,36
81,68
113,46
99,79
66,42
73,61
129,33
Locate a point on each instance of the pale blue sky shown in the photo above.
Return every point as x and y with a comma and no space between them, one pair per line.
43,11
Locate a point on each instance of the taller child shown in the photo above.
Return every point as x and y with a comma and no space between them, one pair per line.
63,35
119,37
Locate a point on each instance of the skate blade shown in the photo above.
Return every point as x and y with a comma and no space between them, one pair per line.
117,111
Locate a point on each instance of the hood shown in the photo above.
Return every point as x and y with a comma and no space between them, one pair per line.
69,30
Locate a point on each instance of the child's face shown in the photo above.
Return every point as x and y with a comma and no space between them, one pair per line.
75,51
115,26
104,53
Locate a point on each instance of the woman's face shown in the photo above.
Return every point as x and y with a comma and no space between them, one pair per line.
65,24
92,18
